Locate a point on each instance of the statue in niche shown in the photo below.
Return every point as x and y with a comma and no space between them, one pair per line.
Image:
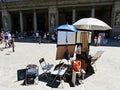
52,20
5,23
117,18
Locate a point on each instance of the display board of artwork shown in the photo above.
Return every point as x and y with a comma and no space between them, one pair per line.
84,38
61,50
79,36
65,37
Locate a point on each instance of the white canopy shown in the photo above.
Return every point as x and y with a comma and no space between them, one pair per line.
91,24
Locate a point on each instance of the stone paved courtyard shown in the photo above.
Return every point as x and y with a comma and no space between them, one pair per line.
107,70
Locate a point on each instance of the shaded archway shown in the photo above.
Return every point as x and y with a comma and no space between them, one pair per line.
42,21
28,23
15,20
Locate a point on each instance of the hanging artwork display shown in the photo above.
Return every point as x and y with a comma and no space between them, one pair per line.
66,40
79,36
65,37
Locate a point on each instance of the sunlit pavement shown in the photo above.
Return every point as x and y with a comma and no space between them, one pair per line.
107,67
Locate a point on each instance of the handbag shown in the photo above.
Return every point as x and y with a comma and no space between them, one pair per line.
67,55
76,65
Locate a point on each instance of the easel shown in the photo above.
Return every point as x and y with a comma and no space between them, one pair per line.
85,51
85,48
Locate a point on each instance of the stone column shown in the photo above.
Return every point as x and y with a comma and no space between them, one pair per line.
93,15
116,18
21,22
6,20
93,12
73,15
52,18
35,20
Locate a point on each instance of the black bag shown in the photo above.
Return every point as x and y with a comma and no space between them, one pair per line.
30,78
21,74
67,55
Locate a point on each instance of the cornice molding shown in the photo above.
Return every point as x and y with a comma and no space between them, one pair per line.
28,4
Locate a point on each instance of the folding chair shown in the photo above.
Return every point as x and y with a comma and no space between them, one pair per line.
81,74
45,67
32,73
96,57
59,73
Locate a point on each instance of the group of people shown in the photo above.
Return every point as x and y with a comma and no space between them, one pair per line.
39,37
100,39
8,39
97,40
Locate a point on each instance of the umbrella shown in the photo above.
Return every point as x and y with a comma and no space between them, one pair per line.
66,27
91,24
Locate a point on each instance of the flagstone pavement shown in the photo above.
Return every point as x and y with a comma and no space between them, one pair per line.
106,76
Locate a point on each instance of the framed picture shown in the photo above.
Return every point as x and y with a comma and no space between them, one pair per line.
79,36
66,38
61,51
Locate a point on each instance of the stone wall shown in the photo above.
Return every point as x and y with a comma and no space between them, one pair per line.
116,19
45,3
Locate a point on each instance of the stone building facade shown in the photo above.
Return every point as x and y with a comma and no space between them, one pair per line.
44,15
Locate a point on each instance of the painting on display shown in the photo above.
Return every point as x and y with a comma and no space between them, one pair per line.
79,37
66,38
61,51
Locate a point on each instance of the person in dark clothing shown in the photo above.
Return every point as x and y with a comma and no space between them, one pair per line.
13,45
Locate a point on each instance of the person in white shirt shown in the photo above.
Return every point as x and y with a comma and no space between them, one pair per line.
95,40
99,40
78,52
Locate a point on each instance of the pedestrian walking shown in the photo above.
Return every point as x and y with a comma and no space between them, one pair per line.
6,39
13,44
39,39
78,52
99,40
2,36
45,36
9,39
95,40
36,35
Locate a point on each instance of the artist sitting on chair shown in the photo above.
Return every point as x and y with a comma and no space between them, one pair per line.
78,67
